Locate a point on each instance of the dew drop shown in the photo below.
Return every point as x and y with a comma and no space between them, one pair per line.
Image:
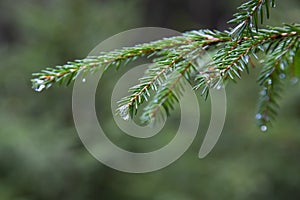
38,81
264,92
246,58
267,98
83,80
258,116
269,81
40,88
282,66
282,76
124,112
294,80
219,86
264,128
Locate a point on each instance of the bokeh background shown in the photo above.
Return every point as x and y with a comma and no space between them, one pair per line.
41,156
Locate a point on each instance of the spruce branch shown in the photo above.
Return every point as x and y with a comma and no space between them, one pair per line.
158,74
168,95
184,58
233,58
272,77
69,72
246,19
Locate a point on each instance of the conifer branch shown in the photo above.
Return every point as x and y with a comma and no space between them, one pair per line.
272,77
233,58
69,72
168,94
247,17
179,59
158,74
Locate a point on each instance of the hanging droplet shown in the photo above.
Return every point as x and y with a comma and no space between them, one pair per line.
258,116
38,81
264,92
294,80
40,88
269,81
282,66
282,76
264,128
124,112
83,80
246,58
220,86
267,98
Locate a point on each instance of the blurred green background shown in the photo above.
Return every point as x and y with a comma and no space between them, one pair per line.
41,156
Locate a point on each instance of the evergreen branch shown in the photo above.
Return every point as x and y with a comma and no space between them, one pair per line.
247,17
69,72
232,61
157,73
234,57
181,58
275,71
154,77
168,94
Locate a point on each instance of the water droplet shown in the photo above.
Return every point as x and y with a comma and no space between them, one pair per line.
38,81
267,98
220,86
258,116
40,88
263,92
124,112
294,80
83,80
282,76
264,128
269,81
282,66
246,58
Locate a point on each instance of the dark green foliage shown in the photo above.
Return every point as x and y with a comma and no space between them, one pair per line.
177,59
42,156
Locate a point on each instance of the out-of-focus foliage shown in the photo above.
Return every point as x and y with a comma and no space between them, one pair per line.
43,158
